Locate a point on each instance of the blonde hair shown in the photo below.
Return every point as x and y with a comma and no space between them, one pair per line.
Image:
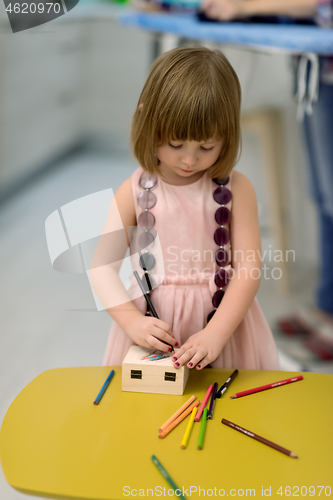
192,93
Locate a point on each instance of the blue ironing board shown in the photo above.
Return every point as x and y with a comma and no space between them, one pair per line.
291,38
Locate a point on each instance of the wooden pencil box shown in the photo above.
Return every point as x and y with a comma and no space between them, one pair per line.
144,375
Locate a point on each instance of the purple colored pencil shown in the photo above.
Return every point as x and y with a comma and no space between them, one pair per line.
212,402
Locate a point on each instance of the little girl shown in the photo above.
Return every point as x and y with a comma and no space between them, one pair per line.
186,138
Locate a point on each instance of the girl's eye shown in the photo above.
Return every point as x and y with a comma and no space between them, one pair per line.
175,147
208,149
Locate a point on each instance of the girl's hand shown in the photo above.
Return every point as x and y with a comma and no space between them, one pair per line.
223,10
199,350
148,332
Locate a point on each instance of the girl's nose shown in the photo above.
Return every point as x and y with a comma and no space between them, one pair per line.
189,160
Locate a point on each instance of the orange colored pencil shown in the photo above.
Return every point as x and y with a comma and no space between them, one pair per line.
178,412
173,424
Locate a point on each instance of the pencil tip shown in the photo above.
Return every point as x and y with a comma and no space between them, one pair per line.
292,454
182,447
233,396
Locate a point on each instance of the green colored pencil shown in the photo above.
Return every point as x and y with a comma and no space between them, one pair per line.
202,429
167,476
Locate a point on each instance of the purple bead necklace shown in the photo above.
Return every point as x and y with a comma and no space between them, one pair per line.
222,196
146,220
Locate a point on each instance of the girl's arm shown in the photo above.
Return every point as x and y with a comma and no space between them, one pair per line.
226,10
204,347
104,277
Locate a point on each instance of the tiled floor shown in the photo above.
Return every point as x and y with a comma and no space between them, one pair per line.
48,318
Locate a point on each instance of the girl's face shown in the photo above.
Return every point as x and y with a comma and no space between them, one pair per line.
184,159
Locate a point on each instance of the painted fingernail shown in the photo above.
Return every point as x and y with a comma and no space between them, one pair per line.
199,366
190,364
176,344
177,364
174,358
170,349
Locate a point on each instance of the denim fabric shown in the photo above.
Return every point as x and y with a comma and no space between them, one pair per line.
318,129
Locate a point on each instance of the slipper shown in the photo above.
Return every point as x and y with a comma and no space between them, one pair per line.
315,327
321,349
293,326
321,329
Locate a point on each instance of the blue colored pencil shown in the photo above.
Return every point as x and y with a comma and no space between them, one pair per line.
105,386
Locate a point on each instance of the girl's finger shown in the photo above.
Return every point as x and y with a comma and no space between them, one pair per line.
204,362
157,344
196,359
162,335
182,360
180,352
164,326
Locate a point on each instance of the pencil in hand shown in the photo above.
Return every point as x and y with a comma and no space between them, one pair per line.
149,302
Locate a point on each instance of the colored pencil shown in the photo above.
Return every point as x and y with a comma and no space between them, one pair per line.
203,404
226,384
265,387
167,476
149,302
212,402
202,429
105,386
177,413
181,417
188,429
258,438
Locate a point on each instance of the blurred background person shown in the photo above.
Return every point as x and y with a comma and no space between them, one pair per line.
318,143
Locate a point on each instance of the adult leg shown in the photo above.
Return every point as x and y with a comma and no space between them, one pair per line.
318,129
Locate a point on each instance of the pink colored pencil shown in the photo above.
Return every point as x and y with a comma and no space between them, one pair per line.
265,387
203,404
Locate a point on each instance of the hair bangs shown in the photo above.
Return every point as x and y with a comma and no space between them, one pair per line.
193,114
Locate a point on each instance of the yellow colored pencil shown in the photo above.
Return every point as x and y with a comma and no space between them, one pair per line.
178,420
188,429
178,412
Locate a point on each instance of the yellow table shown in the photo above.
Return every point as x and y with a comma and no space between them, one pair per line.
55,443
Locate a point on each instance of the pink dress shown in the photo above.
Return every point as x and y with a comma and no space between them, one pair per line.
185,224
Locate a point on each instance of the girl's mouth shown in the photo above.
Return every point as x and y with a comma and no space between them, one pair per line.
188,171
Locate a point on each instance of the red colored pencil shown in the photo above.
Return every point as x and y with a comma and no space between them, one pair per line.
265,387
258,438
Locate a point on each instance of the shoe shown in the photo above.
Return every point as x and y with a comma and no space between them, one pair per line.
315,327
